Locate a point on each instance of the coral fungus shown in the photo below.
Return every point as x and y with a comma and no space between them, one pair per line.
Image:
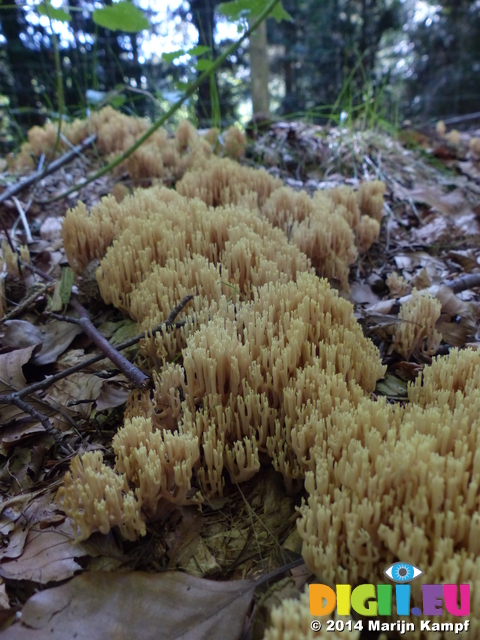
268,349
270,364
401,484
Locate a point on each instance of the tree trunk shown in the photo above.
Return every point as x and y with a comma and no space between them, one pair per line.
203,17
259,71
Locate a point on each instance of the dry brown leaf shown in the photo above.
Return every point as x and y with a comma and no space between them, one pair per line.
101,605
382,308
11,374
453,334
466,259
436,230
16,519
470,169
77,387
434,267
452,203
451,304
114,392
361,293
4,602
48,555
55,337
20,334
87,389
20,429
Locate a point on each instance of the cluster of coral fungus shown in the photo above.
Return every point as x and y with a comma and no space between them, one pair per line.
270,364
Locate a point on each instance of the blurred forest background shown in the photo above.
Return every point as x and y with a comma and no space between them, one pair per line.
402,58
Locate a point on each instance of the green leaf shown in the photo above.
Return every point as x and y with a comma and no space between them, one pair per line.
122,16
66,283
250,9
203,65
173,55
392,387
54,14
117,101
198,51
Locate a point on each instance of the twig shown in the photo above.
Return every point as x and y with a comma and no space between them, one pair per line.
280,571
176,310
68,144
169,322
52,167
468,281
23,218
47,382
26,302
133,373
42,418
465,118
41,162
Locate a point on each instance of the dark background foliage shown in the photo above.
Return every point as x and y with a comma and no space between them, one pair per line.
419,59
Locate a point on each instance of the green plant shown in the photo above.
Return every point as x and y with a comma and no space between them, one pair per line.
190,90
122,16
364,105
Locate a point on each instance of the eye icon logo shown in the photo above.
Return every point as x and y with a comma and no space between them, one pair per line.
403,572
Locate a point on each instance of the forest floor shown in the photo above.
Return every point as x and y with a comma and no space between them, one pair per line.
430,237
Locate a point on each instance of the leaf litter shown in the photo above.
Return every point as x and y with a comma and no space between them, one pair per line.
195,576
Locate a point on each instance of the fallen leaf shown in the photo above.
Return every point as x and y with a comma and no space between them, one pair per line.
466,259
361,293
114,393
78,387
11,374
20,334
435,268
452,203
166,606
18,515
20,429
392,387
382,308
453,333
435,230
51,228
451,304
4,602
48,555
55,337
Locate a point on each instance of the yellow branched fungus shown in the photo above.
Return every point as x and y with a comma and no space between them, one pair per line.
415,331
292,621
393,484
161,156
98,499
397,285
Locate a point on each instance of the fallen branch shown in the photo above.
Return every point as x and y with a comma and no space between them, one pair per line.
463,283
41,417
7,398
133,373
52,167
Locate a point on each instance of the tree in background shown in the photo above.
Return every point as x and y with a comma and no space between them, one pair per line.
259,72
329,49
328,44
23,68
446,67
203,17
